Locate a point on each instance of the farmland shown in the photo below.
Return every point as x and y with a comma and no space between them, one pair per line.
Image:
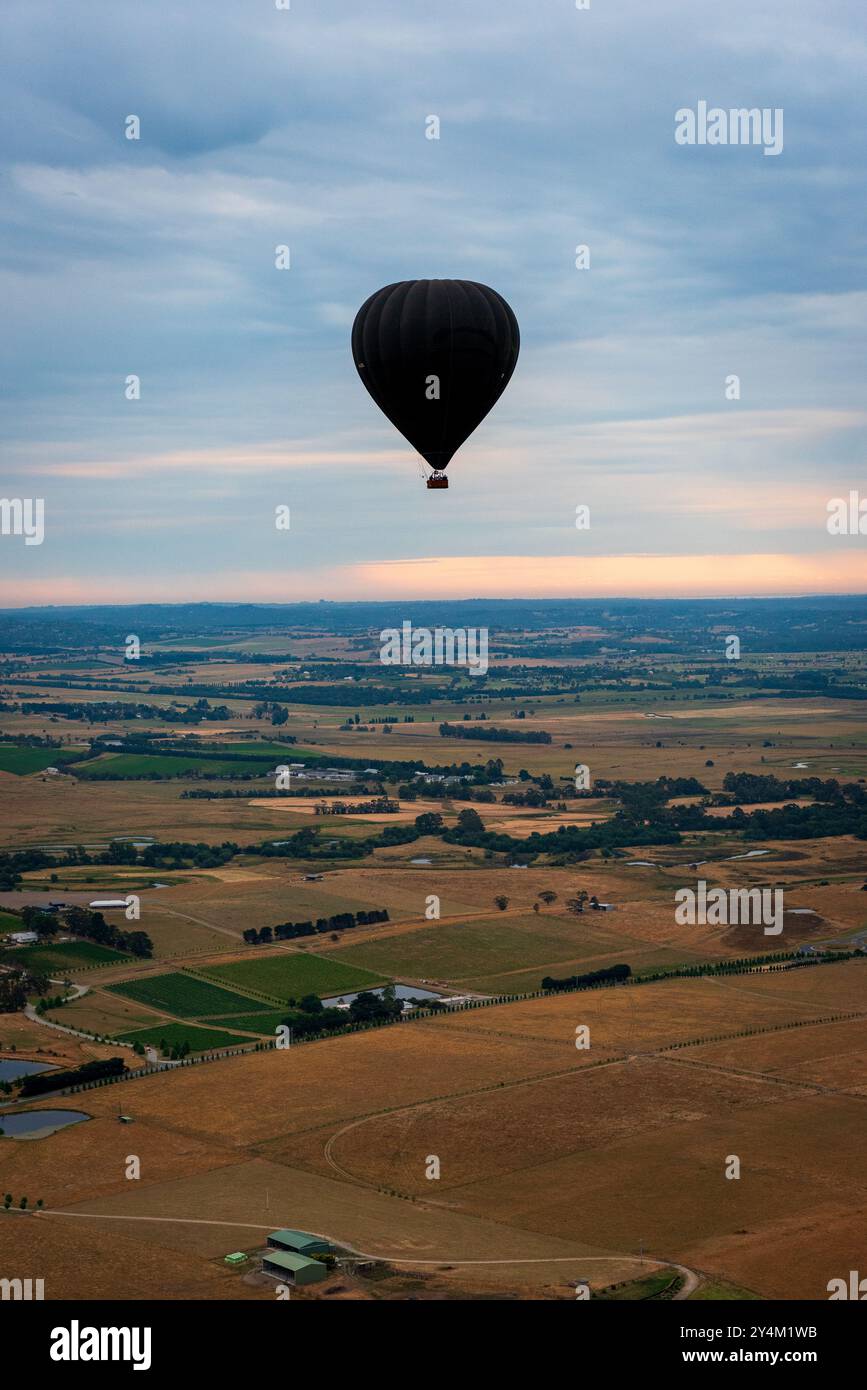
21,762
66,955
183,995
292,976
170,1034
604,1161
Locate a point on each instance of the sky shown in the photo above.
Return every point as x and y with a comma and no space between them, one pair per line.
306,127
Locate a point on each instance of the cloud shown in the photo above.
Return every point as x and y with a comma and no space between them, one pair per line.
306,127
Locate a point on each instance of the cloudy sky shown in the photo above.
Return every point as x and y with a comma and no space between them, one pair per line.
306,127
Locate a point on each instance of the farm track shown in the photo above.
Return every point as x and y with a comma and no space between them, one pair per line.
200,921
628,1055
690,1277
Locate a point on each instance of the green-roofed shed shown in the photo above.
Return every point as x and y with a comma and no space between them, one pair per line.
300,1241
297,1269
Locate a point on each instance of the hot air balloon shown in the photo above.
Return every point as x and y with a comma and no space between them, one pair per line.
435,355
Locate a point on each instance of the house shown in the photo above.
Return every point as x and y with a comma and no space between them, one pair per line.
23,938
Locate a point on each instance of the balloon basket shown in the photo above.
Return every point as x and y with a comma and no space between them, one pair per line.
438,480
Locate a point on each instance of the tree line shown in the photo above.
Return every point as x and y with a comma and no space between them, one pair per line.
340,921
56,1080
491,734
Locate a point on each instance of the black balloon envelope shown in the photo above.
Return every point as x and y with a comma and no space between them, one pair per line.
435,355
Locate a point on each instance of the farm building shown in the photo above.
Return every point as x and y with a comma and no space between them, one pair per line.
23,938
294,1269
105,903
299,1242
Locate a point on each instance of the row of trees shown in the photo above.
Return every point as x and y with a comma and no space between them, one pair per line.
340,921
40,1082
615,974
491,734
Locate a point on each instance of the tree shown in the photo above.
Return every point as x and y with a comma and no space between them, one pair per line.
36,919
502,901
311,1004
470,820
430,823
548,897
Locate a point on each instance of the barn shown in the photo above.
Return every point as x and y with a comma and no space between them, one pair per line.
291,1268
298,1243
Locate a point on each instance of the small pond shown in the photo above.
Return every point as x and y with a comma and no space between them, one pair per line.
13,1068
401,992
35,1124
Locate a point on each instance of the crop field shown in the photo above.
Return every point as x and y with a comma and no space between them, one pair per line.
101,1012
292,975
183,995
199,1039
156,765
22,762
65,955
470,951
265,1023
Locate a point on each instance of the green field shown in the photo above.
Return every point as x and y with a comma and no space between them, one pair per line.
264,1023
162,765
10,922
23,761
293,976
200,1039
660,1284
66,955
182,995
493,945
284,751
